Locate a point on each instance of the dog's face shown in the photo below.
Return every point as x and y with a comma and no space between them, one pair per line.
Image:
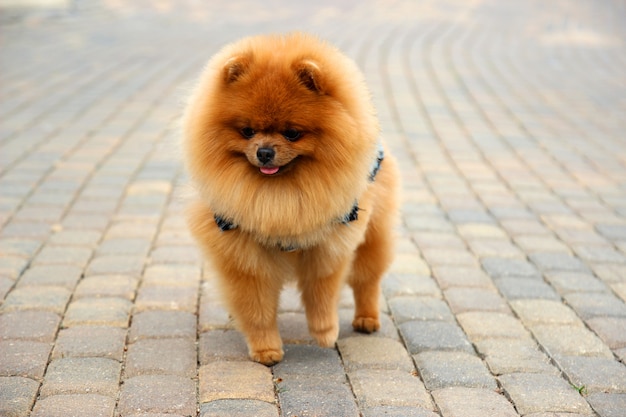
273,116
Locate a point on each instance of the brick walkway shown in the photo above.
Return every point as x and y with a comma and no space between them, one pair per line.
507,294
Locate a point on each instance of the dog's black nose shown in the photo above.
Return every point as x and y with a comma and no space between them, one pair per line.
265,155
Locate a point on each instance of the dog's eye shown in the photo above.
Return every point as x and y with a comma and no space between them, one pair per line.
247,132
291,135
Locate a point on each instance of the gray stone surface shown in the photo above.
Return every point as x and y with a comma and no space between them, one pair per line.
506,119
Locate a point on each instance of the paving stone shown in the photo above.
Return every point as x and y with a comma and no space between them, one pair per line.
236,380
109,311
533,312
551,261
506,356
167,297
612,231
238,408
524,288
378,387
599,254
90,341
63,255
305,396
115,265
478,230
17,396
167,394
608,405
387,326
610,273
375,353
24,358
75,405
434,335
479,325
65,276
39,326
531,244
219,345
570,340
82,238
124,246
505,267
419,308
524,227
409,285
474,299
534,393
595,374
485,248
405,263
567,282
23,248
439,257
161,356
455,276
175,254
120,286
472,402
612,330
438,240
37,298
393,411
82,375
448,369
159,324
12,266
310,362
427,224
168,274
6,285
596,304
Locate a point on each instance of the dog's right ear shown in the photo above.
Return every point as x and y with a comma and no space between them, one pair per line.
235,67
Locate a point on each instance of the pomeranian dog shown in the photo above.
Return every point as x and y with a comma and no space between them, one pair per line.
281,141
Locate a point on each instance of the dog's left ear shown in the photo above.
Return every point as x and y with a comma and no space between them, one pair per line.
310,75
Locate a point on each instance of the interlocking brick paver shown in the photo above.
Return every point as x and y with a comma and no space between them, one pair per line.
235,380
162,324
595,374
377,353
108,311
533,393
238,408
90,341
376,387
608,405
82,375
75,405
161,356
472,402
570,340
166,394
419,308
17,395
449,369
29,325
433,335
24,358
510,253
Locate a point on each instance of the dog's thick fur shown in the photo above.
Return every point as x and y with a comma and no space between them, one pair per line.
255,94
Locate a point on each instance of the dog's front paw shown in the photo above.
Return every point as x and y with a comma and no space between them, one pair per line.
267,357
366,324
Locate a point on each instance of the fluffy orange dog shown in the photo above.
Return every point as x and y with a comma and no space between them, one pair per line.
282,143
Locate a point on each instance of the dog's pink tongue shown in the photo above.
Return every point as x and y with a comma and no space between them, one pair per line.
269,170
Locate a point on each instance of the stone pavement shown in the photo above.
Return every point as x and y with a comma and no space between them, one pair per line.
507,297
